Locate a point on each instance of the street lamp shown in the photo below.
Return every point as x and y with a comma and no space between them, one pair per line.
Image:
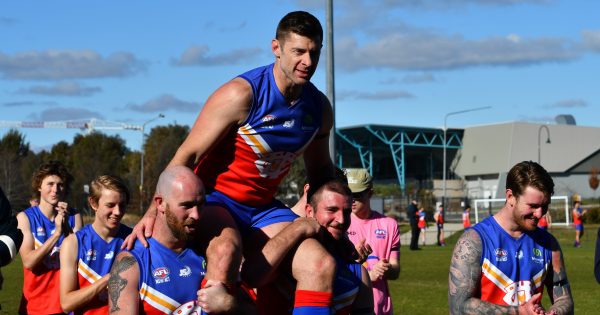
142,160
444,162
539,141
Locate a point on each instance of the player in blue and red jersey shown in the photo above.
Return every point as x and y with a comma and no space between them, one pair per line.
328,216
44,228
242,145
87,255
502,263
166,275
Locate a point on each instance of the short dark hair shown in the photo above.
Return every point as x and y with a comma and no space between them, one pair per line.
335,185
301,23
529,173
48,169
109,182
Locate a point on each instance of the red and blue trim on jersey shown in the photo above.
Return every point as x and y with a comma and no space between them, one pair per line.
512,270
167,279
94,260
249,163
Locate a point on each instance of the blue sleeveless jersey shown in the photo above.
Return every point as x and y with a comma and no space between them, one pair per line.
248,164
95,258
42,228
345,286
512,269
41,285
167,279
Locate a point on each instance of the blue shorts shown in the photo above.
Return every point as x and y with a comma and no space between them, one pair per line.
578,227
249,217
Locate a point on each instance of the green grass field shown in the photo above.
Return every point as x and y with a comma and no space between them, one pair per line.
423,284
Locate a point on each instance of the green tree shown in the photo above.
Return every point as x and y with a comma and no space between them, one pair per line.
159,148
290,188
92,155
13,148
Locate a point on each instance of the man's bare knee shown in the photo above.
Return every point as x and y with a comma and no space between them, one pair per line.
313,267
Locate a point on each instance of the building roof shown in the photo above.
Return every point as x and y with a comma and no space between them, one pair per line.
495,148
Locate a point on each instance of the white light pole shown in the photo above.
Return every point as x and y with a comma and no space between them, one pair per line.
445,144
539,142
142,160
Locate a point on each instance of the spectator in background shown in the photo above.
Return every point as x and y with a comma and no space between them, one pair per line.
439,222
578,213
411,213
422,223
466,217
545,221
380,233
44,228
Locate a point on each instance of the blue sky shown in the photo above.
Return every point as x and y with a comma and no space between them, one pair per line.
397,62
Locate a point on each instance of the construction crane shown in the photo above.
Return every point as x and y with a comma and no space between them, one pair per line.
87,125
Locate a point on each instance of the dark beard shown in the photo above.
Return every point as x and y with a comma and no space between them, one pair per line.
176,227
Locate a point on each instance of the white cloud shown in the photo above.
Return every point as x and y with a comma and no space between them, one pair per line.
62,88
591,39
198,56
68,64
428,51
378,95
65,113
165,102
569,103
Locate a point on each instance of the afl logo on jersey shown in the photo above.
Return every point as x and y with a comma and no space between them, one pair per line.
380,233
161,274
40,231
90,255
268,121
501,254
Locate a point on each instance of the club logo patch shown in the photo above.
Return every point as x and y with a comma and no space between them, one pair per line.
501,254
380,233
161,274
90,255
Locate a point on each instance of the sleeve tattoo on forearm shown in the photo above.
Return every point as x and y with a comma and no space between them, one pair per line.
116,284
465,275
561,290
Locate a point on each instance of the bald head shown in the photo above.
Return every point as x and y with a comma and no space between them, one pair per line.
175,178
179,199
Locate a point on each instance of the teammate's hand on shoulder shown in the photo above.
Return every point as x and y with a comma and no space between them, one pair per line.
309,226
141,231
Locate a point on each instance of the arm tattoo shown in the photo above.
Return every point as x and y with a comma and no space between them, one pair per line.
116,284
464,279
562,301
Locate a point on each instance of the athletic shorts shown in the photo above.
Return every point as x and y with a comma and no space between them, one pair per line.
578,227
440,226
545,228
249,217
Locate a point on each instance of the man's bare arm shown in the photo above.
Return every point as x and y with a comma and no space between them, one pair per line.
557,283
123,297
464,278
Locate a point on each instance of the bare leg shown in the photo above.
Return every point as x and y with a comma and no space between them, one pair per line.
224,249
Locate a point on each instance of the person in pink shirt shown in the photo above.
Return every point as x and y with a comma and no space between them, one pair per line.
380,233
